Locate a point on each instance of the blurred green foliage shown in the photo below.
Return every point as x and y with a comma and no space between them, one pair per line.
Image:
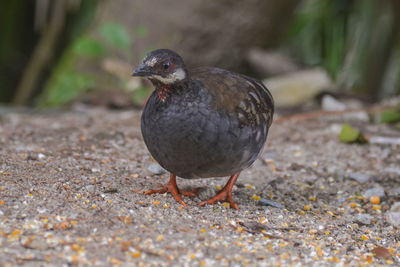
141,32
116,35
389,116
89,47
68,86
140,95
68,80
355,41
318,33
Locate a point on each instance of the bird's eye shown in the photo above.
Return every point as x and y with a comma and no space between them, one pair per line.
166,66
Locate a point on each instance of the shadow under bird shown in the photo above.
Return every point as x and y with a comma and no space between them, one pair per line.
207,122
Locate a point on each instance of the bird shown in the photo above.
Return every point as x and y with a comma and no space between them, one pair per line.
203,122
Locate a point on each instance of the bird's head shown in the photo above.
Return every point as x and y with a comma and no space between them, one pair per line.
163,66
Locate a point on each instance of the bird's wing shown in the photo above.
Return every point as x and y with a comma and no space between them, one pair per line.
238,94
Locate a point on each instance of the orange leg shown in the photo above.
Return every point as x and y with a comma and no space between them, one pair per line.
172,187
225,194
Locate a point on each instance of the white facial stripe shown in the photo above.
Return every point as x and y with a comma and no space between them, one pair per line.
151,62
178,75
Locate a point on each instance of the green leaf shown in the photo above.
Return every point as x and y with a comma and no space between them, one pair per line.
88,47
351,135
389,116
67,87
141,94
116,35
141,31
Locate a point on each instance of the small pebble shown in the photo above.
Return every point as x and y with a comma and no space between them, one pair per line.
269,156
330,103
156,168
363,218
95,170
395,207
395,192
359,177
205,193
375,191
267,202
393,218
90,188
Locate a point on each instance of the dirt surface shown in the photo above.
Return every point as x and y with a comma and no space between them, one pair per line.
72,183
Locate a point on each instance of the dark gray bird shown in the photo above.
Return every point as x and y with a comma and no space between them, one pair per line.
207,122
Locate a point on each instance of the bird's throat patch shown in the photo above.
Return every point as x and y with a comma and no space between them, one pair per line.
164,91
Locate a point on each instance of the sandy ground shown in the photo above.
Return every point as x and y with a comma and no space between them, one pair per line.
72,183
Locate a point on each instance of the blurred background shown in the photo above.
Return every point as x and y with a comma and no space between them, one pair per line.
55,53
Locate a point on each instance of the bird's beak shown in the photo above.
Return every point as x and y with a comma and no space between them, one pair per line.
142,70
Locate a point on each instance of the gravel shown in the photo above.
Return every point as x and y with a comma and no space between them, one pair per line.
82,203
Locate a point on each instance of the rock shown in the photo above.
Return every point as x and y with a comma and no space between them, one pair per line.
268,156
395,192
393,170
375,191
205,193
38,243
298,87
268,63
330,103
90,188
41,210
393,218
156,169
395,207
383,140
95,170
356,115
363,218
359,177
267,202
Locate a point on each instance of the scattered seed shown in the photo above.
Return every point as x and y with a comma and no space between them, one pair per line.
135,254
314,164
375,199
353,205
376,207
115,261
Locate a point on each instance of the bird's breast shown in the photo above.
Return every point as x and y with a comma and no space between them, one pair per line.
191,139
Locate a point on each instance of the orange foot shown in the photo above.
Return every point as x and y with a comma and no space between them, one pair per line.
172,187
225,194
